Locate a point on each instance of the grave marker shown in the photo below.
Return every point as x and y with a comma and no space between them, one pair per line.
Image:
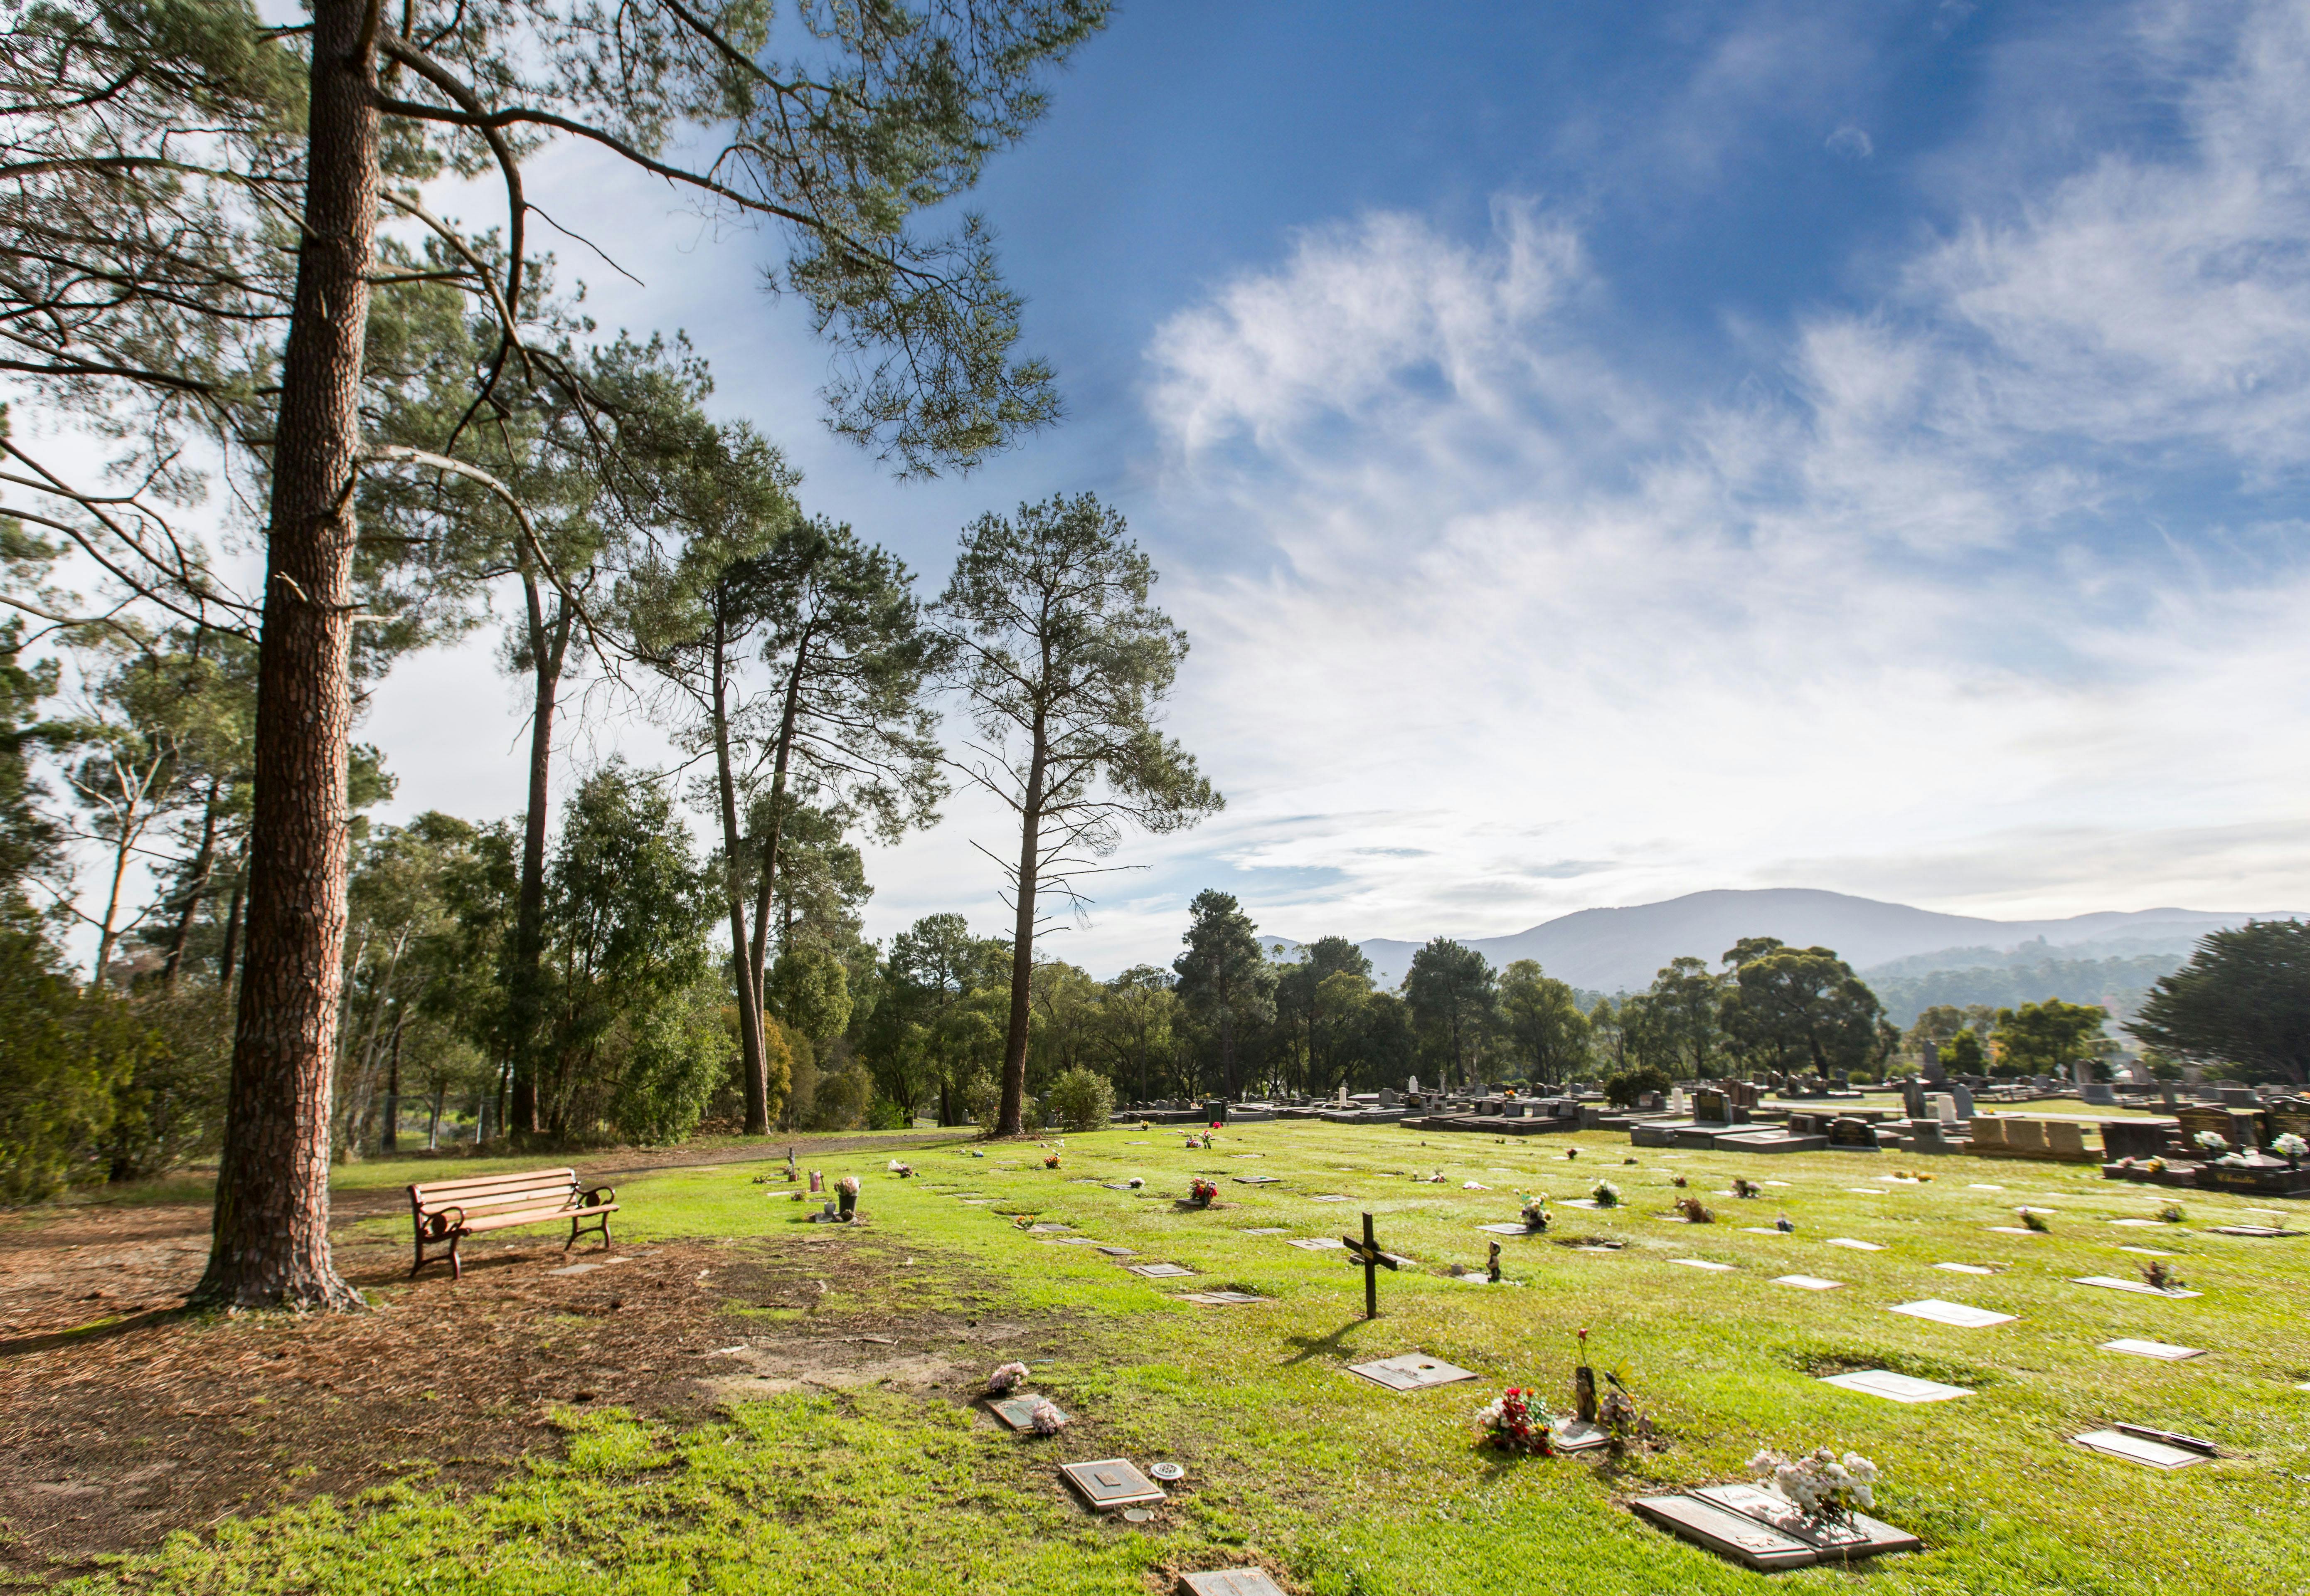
1896,1388
1858,1246
1809,1283
1699,1263
2134,1449
1228,1581
1412,1371
1315,1243
1111,1482
2112,1283
1157,1272
1018,1411
2166,1351
1958,1313
1368,1254
1727,1533
1965,1268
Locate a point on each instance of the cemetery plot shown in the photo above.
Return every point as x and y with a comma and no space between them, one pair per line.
1157,1272
2261,1230
1331,1197
1258,1180
2134,1449
1221,1299
2140,1288
1111,1482
1727,1533
1857,1246
1699,1263
1507,1229
1412,1371
1269,1230
2166,1351
1809,1282
1117,1252
1896,1388
1855,1536
1951,1313
1316,1244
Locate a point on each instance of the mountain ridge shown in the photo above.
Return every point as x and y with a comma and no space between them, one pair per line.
1620,948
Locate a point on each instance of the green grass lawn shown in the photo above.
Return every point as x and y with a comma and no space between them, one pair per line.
1347,1489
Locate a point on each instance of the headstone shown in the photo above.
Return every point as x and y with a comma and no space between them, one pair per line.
1228,1581
2098,1094
1851,1133
1412,1371
1387,1099
2134,1449
1940,1106
1913,1099
2238,1097
1935,1071
1111,1482
1411,1085
1951,1313
2169,1094
1964,1096
2165,1351
1896,1388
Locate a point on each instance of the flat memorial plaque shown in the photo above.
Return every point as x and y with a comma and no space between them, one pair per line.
2012,1231
1699,1263
1764,1230
1867,1191
1727,1533
1111,1482
2148,1253
1505,1230
1977,1186
2262,1230
1269,1230
1777,1183
2133,1449
1857,1246
1221,1299
1258,1180
1965,1269
1331,1198
1568,1434
1157,1272
2141,1224
1857,1536
2138,1287
1316,1243
1118,1252
1589,1202
1809,1282
1069,1240
2165,1350
1896,1388
1228,1581
1412,1371
1951,1313
1047,1229
1018,1411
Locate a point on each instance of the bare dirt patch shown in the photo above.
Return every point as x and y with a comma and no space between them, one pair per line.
124,1418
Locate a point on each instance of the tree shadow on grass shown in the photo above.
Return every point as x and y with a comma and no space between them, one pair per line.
1332,1345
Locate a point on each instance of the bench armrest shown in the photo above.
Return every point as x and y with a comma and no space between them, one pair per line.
597,1196
441,1221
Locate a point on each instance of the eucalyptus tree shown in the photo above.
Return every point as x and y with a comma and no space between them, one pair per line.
192,242
1451,990
1542,1020
1064,665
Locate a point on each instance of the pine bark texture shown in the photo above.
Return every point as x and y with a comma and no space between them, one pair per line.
270,1244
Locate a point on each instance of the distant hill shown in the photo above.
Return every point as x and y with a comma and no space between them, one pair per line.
1621,950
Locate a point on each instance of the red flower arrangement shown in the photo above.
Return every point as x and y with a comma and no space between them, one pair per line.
1507,1423
1200,1192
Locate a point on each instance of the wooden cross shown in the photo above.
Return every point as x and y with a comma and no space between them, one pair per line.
1366,1253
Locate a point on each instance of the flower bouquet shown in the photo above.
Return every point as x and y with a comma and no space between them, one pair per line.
901,1170
2031,1219
1571,1152
845,1193
2156,1166
1746,1188
2172,1213
2291,1147
1508,1423
1694,1212
2160,1276
1051,1155
1605,1194
1822,1484
1200,1192
1678,1182
1535,1213
2212,1141
1006,1379
1045,1418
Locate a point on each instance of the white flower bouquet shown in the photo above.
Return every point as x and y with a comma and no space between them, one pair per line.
1821,1484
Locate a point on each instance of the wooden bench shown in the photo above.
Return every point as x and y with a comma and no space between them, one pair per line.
449,1211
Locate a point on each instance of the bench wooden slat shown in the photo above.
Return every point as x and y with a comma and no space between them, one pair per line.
447,1210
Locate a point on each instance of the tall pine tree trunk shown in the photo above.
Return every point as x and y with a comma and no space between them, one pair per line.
195,889
270,1242
549,644
751,1058
1008,1120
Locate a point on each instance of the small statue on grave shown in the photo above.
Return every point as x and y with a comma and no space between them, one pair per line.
1785,1225
1494,1264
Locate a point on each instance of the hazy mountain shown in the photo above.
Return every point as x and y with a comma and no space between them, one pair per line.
1621,950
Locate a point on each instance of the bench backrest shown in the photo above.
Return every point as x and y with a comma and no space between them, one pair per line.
496,1193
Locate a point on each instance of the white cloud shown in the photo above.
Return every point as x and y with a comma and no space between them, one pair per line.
1851,142
1897,625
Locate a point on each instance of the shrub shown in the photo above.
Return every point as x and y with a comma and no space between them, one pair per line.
981,1097
1623,1090
841,1100
1081,1099
886,1115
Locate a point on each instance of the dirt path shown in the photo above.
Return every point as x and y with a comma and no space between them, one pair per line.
123,1418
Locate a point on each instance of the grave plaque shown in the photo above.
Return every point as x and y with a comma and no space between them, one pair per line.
1412,1371
1316,1244
1111,1482
1047,1229
1505,1230
1258,1180
1809,1282
1570,1434
1329,1198
2133,1449
1018,1411
1157,1272
1951,1313
1699,1263
1965,1268
1219,1299
1778,1512
1896,1388
1228,1581
2165,1351
1727,1533
1851,1246
2138,1287
1268,1231
1118,1252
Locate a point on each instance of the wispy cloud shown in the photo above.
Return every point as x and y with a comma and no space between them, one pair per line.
1949,603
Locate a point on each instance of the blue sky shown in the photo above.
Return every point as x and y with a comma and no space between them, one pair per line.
1606,452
